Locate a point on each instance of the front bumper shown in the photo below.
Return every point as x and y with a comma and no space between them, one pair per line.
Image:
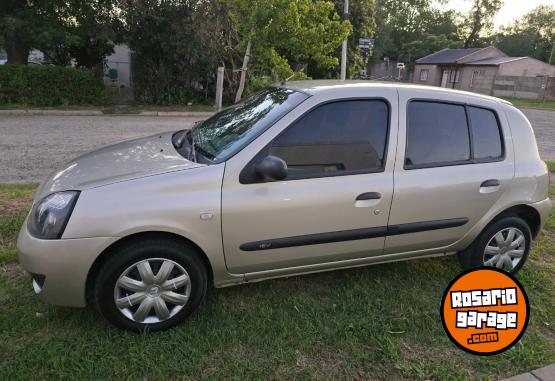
64,263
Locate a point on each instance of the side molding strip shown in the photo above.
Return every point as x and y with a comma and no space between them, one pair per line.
313,239
425,226
352,235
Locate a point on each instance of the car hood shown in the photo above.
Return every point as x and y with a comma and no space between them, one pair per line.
118,162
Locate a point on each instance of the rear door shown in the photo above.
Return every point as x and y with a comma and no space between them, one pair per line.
454,161
335,202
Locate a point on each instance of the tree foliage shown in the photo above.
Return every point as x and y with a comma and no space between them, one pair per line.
362,16
410,29
479,20
177,46
62,29
288,36
532,35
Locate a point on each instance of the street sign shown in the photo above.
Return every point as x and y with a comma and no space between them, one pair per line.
365,43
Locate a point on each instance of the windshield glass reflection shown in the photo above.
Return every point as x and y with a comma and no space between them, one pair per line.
230,130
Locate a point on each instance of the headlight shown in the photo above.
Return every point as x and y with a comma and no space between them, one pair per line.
49,216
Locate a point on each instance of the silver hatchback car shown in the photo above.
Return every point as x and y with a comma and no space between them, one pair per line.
301,177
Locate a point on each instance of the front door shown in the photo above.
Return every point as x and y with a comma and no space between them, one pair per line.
334,203
444,78
454,162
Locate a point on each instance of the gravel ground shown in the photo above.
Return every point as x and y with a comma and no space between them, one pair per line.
543,122
33,146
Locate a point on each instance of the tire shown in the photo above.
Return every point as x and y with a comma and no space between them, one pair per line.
146,275
501,255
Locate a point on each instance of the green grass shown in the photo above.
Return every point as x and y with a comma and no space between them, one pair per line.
15,200
551,165
378,322
534,103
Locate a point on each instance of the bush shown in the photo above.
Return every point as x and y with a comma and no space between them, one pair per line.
41,85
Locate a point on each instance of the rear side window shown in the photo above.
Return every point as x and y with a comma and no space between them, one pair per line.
437,134
336,138
441,134
486,136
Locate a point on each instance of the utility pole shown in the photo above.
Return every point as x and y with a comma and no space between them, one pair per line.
219,87
344,45
552,50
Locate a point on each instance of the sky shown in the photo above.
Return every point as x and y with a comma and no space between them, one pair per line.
511,8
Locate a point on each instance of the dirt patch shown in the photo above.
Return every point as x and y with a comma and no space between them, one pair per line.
11,270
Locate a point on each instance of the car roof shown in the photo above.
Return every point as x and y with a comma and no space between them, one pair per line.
315,86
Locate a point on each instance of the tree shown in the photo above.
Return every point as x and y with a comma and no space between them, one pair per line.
62,29
400,23
24,25
479,20
532,35
177,47
284,36
426,44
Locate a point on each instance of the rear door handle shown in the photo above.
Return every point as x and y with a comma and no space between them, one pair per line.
490,183
489,186
369,196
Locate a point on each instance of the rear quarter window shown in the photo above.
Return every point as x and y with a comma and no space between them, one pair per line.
486,134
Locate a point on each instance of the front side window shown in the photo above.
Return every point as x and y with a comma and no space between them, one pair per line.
437,133
227,132
335,138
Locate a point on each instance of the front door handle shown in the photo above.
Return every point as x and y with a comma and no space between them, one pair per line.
490,183
369,196
368,199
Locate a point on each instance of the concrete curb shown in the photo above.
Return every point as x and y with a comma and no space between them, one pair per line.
20,112
543,374
51,112
174,113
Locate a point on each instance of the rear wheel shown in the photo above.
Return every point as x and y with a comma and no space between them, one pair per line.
151,285
504,244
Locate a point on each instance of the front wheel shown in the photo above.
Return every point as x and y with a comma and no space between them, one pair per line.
504,244
150,285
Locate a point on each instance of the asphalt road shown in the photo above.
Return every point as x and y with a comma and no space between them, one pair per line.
33,146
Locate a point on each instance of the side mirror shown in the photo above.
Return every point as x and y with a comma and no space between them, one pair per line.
271,168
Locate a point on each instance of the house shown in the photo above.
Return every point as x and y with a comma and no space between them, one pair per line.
481,70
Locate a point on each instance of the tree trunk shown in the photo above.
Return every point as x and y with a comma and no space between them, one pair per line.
243,72
476,25
17,51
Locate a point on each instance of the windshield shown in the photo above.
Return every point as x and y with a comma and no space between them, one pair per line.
227,132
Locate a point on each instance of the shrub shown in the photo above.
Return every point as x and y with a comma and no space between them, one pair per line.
42,85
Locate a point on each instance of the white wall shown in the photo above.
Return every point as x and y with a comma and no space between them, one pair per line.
121,61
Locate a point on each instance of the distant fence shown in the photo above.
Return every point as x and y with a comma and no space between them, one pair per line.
524,87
